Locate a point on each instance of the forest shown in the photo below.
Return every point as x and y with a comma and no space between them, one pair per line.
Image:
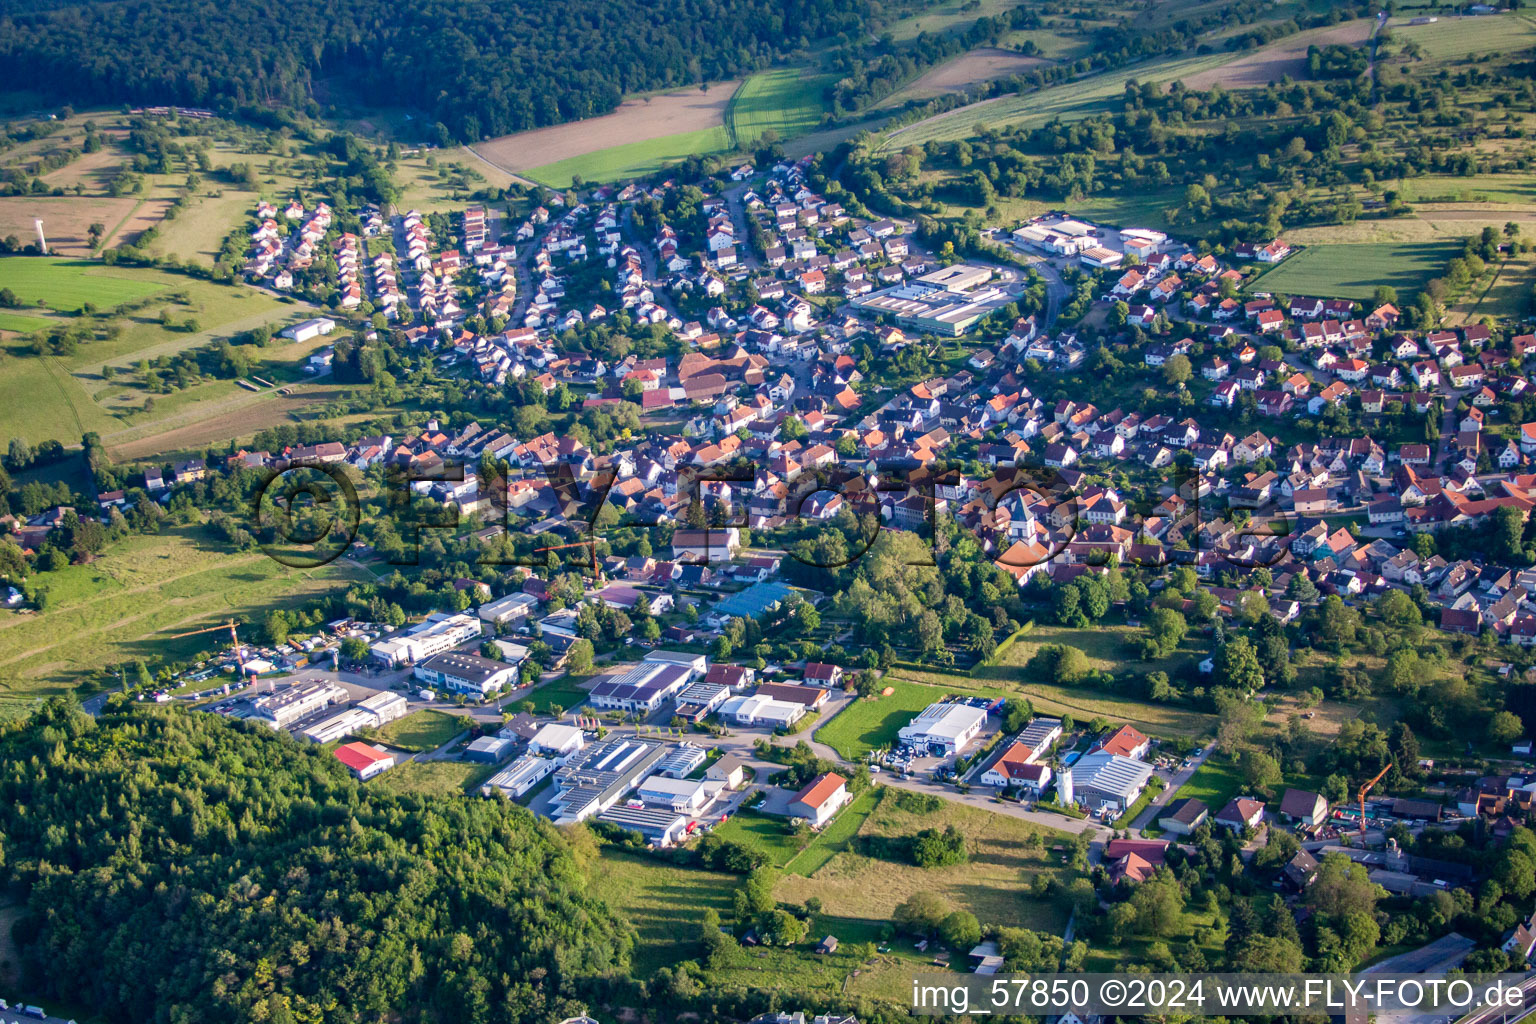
180,867
488,69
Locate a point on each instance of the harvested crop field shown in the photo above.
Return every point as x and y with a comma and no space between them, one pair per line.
982,64
636,120
66,219
1287,57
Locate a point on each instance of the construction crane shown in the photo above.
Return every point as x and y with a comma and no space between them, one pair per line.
234,639
1366,789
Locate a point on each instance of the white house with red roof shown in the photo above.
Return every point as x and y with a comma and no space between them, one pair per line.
364,761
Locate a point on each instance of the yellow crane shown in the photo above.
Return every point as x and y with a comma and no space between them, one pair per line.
1366,789
234,638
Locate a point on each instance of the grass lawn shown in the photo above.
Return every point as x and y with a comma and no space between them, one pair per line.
68,284
436,778
1354,271
786,100
562,693
124,604
1214,783
833,839
993,885
632,159
769,835
421,730
870,723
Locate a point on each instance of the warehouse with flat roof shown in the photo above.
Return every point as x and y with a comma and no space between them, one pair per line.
947,302
944,729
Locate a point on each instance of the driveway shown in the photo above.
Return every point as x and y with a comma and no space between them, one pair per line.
1149,812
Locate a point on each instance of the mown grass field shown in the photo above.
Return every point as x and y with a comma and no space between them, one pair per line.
632,160
787,101
770,836
663,903
1480,188
66,285
124,604
62,397
1355,271
562,693
421,731
873,722
23,324
1452,38
1214,783
776,840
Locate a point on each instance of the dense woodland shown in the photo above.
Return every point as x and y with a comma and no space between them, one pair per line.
483,69
183,868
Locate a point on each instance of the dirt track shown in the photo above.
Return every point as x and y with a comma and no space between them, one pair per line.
637,120
1286,57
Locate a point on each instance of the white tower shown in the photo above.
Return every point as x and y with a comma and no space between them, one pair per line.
42,242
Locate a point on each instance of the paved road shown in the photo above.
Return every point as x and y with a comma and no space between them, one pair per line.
1149,812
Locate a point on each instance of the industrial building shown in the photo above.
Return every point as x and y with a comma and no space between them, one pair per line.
372,713
364,761
518,778
662,827
947,302
488,749
556,740
458,672
685,796
513,608
641,688
682,760
763,711
943,729
296,702
594,779
1100,780
698,700
437,633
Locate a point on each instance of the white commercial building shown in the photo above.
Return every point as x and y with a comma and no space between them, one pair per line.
685,796
512,608
517,778
296,702
437,633
310,329
459,672
760,710
944,728
371,713
556,740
